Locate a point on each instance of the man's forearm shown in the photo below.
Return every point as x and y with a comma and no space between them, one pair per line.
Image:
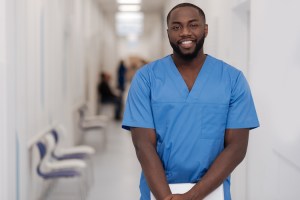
153,171
222,167
215,176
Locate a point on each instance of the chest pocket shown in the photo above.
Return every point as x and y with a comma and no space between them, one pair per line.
214,118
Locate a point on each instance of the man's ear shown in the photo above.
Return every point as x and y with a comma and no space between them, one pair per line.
206,30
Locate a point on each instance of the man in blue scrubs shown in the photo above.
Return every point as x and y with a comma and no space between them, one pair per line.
189,114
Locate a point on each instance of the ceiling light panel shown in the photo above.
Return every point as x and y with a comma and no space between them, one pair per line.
129,23
129,8
129,1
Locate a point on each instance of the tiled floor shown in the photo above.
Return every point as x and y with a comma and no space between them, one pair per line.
116,168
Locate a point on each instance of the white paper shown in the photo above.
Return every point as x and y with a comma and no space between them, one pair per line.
217,194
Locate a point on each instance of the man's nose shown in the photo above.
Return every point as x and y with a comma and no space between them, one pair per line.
185,31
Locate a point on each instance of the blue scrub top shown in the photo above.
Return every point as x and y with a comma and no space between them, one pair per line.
190,125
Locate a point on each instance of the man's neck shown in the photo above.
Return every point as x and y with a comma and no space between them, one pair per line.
193,64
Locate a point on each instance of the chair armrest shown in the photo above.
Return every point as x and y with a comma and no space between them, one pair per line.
66,164
103,118
93,124
75,150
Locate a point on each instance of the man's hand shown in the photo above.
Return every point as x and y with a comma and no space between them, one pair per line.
169,197
184,196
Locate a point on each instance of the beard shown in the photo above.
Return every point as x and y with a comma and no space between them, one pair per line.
188,56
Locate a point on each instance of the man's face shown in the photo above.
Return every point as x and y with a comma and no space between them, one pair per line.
186,31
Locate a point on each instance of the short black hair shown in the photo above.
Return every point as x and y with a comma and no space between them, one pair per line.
186,5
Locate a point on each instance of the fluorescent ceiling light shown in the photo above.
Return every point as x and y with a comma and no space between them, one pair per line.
129,1
129,23
123,17
129,8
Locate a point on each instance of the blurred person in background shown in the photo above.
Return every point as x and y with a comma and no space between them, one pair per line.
189,115
121,76
121,82
107,95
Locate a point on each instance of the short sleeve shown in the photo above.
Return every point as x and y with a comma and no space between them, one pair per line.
138,110
242,113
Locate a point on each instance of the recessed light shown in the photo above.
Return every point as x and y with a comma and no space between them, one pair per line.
129,8
129,1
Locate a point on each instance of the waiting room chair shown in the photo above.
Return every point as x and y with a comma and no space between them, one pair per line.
60,169
91,122
83,152
62,153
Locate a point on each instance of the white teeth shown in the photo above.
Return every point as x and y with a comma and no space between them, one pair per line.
186,42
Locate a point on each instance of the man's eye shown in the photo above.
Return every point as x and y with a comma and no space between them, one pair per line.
175,28
194,25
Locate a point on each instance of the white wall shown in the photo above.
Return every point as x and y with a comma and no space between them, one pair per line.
94,40
274,162
109,53
4,148
8,111
44,57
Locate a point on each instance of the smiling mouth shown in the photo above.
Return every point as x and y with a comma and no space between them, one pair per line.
186,43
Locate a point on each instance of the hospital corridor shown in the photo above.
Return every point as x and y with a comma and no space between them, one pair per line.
66,67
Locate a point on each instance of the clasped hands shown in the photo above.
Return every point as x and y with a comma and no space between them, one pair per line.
184,196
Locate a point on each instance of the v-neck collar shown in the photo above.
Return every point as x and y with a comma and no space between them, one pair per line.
199,82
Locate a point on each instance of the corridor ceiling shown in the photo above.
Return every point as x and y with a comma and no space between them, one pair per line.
147,5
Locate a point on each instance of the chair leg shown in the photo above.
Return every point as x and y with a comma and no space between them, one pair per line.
90,172
58,192
82,188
